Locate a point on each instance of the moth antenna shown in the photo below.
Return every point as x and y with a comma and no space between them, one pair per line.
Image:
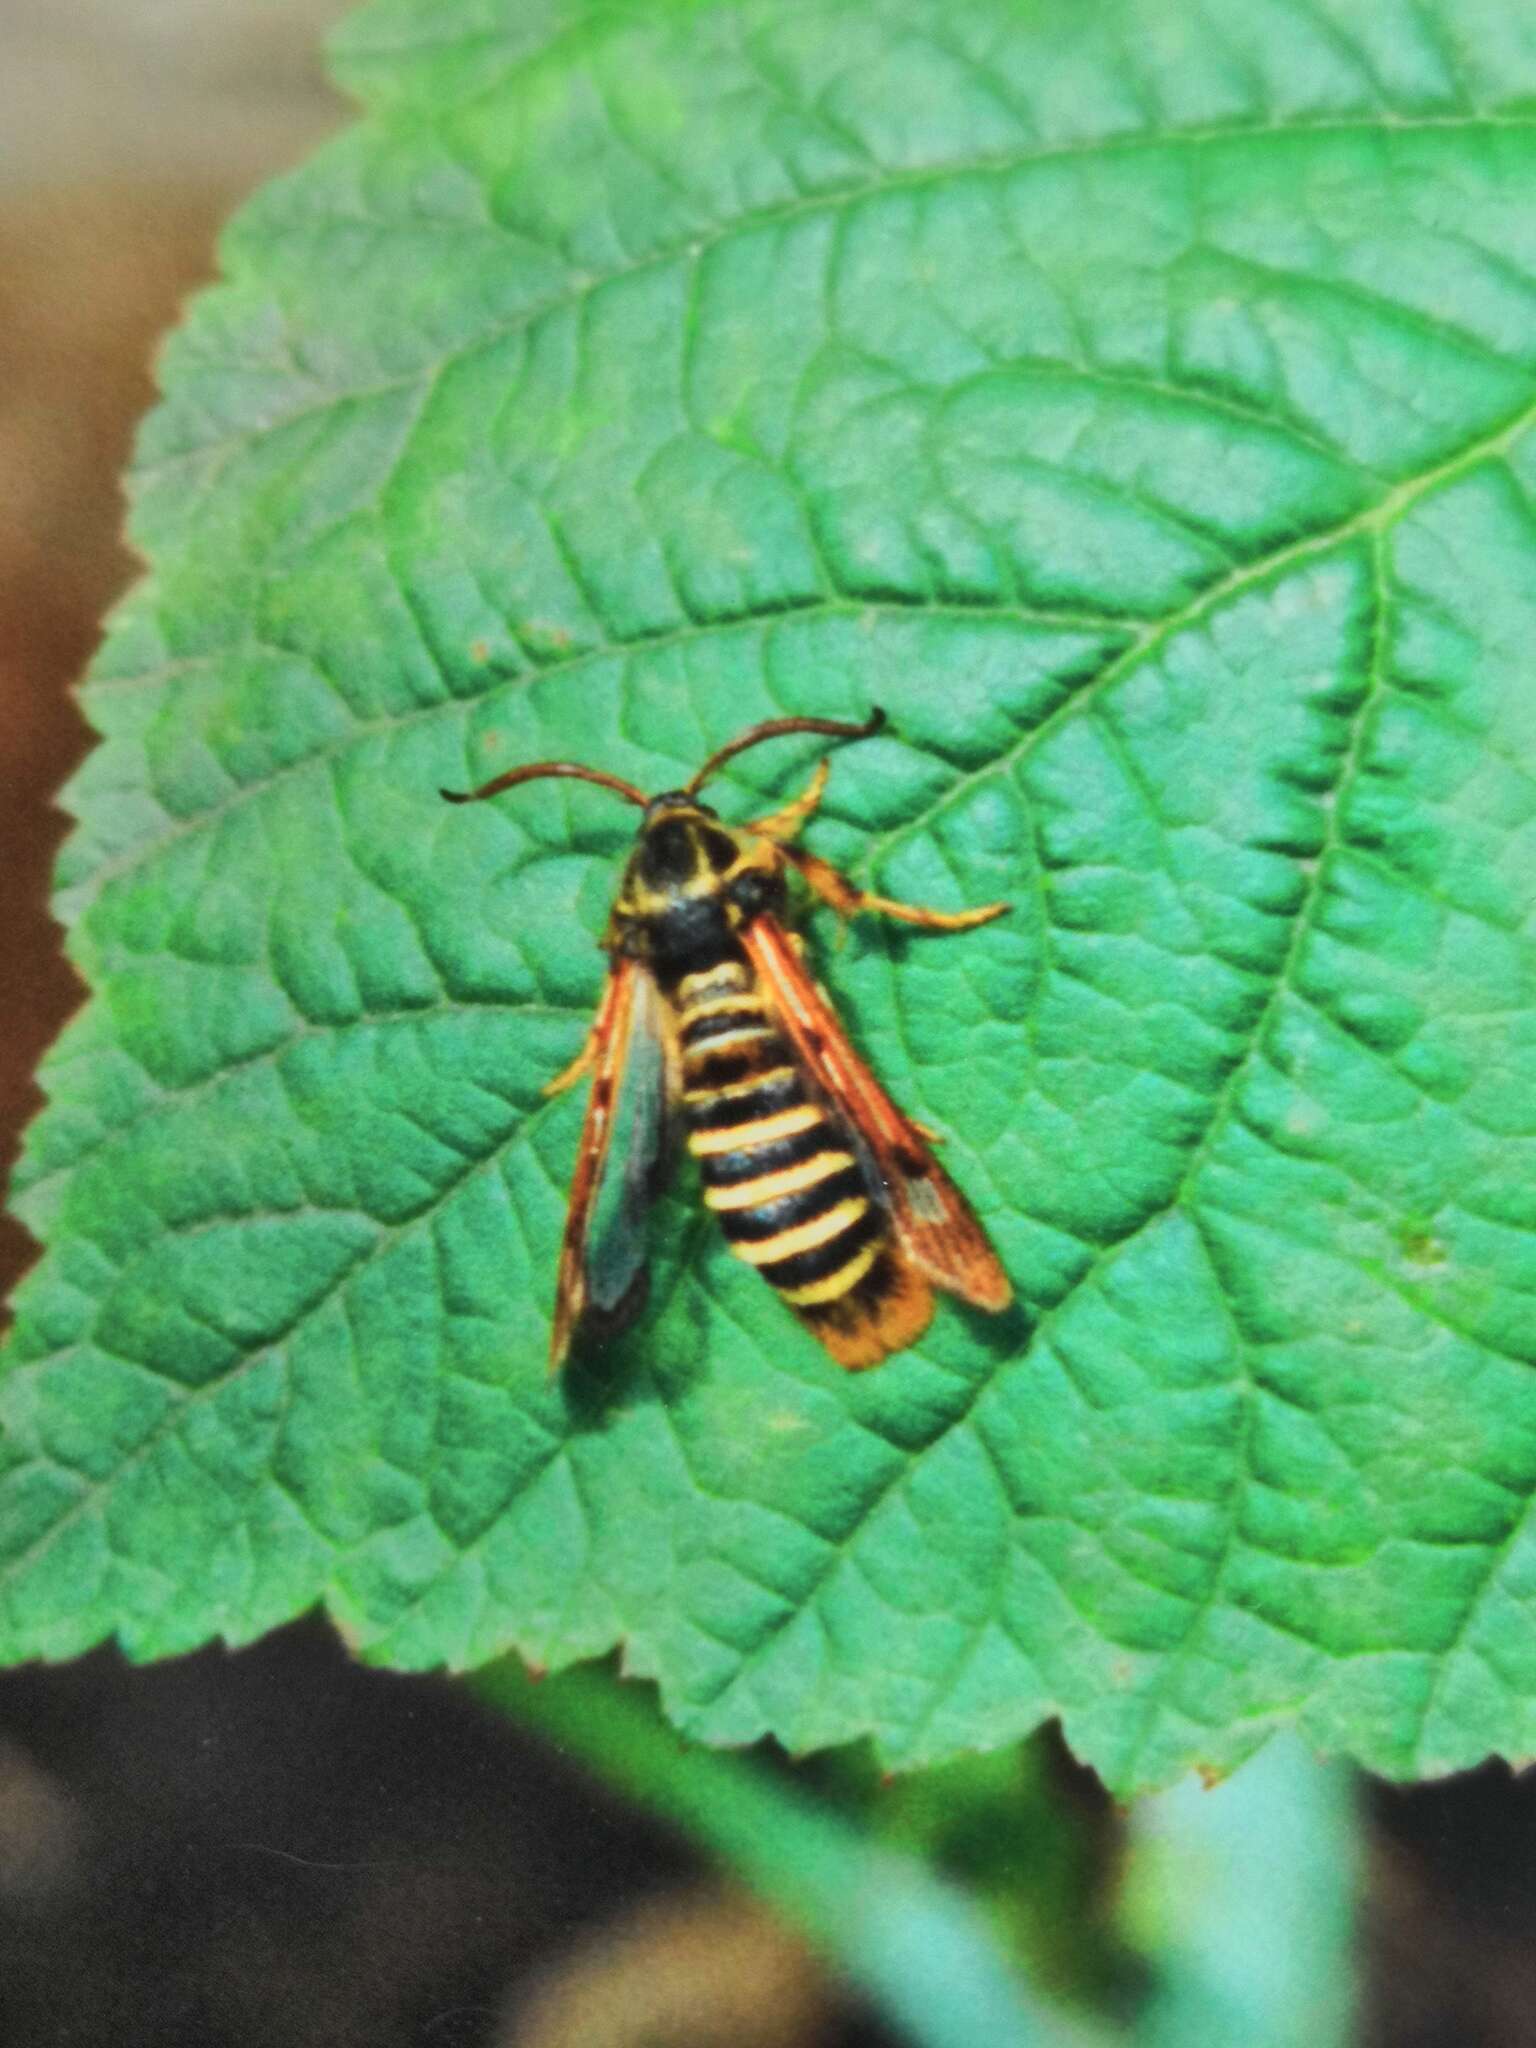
534,770
778,728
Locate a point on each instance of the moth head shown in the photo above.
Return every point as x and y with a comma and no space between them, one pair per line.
683,847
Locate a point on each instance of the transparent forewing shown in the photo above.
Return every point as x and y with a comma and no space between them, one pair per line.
607,1056
636,1165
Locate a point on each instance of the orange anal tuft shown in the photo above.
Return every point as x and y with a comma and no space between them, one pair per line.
877,1319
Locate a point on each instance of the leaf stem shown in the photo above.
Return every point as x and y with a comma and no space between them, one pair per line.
1243,1898
909,1941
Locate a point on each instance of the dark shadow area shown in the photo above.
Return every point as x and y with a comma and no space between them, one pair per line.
1450,1921
281,1845
229,1850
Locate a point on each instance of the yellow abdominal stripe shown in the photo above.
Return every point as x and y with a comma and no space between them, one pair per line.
802,1237
727,976
837,1284
748,1087
770,1187
736,999
787,1124
723,1041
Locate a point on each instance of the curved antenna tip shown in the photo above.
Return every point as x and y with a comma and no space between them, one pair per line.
534,770
780,728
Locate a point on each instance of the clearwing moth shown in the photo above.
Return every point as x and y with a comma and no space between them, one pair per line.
709,1021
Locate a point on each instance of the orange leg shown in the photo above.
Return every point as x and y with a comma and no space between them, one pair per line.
780,826
583,1063
847,898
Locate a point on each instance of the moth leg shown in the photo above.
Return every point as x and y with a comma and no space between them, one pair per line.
583,1063
780,826
847,898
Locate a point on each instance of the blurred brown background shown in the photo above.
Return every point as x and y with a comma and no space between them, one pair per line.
278,1846
128,130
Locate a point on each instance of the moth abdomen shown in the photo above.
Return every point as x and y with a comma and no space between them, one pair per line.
779,1171
827,1192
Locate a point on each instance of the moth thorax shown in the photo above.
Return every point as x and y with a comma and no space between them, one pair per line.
690,935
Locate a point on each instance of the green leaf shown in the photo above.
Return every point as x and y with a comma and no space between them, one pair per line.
1137,401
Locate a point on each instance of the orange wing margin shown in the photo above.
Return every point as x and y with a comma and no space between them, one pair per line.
933,1222
610,1047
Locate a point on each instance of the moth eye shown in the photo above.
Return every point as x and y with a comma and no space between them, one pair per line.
666,853
753,890
719,850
